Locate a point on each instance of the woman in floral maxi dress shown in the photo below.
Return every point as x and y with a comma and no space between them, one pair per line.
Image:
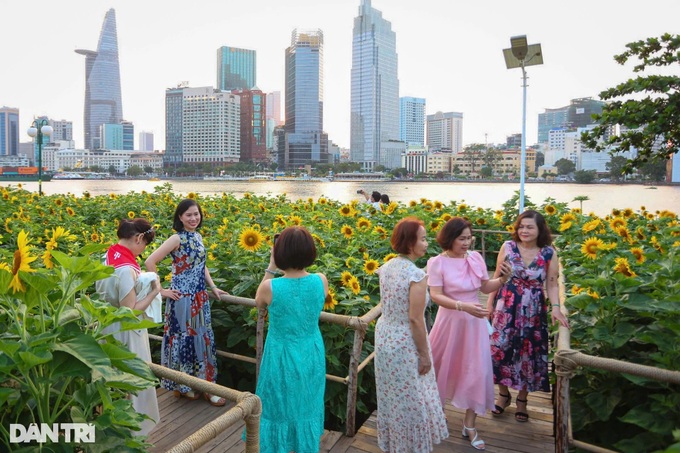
519,343
188,340
410,416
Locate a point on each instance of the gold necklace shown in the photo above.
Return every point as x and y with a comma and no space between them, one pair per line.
446,252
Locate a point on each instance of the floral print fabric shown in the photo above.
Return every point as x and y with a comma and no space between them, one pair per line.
188,340
410,415
519,344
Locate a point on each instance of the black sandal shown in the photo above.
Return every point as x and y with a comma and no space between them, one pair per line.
521,416
498,410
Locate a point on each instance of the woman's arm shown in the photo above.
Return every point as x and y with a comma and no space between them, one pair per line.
552,286
325,283
416,318
499,263
130,299
502,275
213,288
263,296
171,244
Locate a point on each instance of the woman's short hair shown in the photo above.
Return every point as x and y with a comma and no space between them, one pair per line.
384,198
183,207
294,249
375,196
453,228
544,234
405,234
130,228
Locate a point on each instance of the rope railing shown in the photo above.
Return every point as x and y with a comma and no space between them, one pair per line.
248,408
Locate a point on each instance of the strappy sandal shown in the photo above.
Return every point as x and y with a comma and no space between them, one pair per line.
476,442
215,400
190,395
521,416
498,410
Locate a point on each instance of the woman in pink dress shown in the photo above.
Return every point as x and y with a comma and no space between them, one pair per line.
460,336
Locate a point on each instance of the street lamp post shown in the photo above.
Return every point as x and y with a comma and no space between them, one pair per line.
39,128
519,55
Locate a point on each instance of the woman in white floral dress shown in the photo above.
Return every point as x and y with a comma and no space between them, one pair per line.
410,415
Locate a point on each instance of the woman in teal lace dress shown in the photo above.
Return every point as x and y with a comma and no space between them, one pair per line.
292,378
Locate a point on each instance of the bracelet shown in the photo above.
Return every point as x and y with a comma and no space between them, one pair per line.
458,307
555,305
270,272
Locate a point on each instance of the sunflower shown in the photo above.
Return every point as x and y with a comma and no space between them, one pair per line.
510,228
354,285
656,245
22,261
250,239
623,267
590,226
113,196
347,231
576,210
639,254
280,220
627,212
462,207
391,207
94,237
550,209
318,240
592,293
577,290
438,205
480,221
380,231
370,266
346,211
617,222
364,224
650,216
47,259
591,246
568,217
5,267
428,206
625,234
322,200
330,302
295,220
58,202
640,233
564,226
131,214
667,214
616,212
413,203
389,256
446,217
345,278
434,225
70,211
191,195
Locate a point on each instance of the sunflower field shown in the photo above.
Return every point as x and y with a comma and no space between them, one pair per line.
622,275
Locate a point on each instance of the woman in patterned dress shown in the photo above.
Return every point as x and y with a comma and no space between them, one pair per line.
188,340
460,336
519,343
410,415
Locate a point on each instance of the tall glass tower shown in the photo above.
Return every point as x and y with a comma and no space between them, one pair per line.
236,69
375,86
103,103
306,142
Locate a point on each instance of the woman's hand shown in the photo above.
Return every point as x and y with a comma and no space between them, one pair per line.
424,364
477,310
506,271
218,293
558,316
171,293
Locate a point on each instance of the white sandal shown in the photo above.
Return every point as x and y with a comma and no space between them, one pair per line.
476,442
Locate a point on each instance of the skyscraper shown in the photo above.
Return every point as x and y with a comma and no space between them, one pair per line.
445,131
412,120
577,114
145,141
236,68
253,125
103,103
305,141
375,86
9,131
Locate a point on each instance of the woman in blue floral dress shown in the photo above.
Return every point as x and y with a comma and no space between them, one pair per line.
188,340
519,343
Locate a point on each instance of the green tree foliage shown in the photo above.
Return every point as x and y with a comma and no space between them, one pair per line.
655,171
616,167
584,176
648,106
565,166
134,171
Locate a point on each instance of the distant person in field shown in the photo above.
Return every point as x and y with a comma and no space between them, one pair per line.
373,199
385,199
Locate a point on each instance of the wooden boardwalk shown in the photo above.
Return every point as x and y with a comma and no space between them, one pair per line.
181,417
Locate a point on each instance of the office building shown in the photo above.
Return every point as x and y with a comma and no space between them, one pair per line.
9,131
128,135
253,125
62,130
103,100
304,142
374,117
145,141
236,68
412,120
577,114
274,107
202,126
111,136
445,131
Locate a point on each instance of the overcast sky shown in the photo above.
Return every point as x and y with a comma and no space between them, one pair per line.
450,53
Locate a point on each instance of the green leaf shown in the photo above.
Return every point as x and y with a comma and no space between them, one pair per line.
647,420
30,359
86,349
603,404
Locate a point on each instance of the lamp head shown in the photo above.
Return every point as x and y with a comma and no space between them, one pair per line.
32,131
46,130
519,46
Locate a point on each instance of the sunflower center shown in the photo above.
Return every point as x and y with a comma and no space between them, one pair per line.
17,262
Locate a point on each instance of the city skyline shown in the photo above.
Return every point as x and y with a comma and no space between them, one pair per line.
449,54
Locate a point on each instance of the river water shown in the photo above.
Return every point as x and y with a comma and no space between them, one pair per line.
602,197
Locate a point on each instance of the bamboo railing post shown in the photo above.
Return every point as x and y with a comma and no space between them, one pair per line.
352,382
562,406
259,340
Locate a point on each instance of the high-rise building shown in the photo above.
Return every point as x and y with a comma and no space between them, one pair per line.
375,86
253,125
202,126
236,68
9,131
274,107
412,120
577,114
145,141
111,136
62,130
103,101
445,131
128,135
305,141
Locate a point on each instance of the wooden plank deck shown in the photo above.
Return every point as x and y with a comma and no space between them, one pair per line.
181,417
